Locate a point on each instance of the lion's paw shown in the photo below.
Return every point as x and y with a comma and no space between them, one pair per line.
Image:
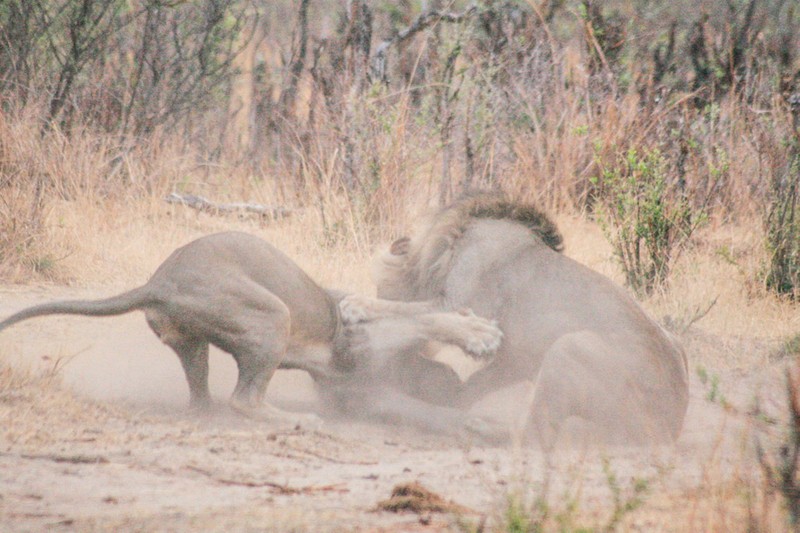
484,336
353,309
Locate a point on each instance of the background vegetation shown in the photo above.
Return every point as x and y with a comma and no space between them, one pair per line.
653,117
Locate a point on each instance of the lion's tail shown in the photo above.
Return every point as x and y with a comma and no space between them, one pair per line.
116,305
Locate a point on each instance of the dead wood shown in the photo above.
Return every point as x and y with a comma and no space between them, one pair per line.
207,206
280,487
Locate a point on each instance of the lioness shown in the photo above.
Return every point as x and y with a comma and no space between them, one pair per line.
591,350
244,296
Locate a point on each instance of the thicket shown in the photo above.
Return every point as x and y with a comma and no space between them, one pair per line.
370,105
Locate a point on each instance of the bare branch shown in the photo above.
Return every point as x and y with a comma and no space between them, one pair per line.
423,21
296,63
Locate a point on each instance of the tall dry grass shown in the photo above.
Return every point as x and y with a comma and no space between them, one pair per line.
533,100
57,188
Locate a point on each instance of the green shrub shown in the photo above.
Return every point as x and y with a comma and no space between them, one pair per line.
646,217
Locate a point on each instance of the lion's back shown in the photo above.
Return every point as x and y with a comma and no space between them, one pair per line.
236,262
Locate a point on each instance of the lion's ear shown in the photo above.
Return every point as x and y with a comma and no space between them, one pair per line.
400,246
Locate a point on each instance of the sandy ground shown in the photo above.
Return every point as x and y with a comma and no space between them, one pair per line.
110,445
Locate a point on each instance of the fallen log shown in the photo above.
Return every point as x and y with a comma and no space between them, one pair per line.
207,206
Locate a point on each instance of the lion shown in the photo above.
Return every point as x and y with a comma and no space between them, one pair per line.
591,351
242,295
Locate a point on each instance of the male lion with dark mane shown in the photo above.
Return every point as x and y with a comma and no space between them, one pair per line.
592,352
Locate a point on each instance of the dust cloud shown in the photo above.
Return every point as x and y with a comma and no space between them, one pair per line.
120,359
226,468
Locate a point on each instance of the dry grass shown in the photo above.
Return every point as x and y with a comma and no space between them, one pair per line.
28,402
69,214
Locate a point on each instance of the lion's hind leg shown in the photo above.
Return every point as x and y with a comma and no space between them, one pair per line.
256,332
193,355
584,394
257,363
258,345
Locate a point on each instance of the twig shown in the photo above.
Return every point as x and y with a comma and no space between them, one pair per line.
699,314
74,459
206,205
281,488
329,458
378,61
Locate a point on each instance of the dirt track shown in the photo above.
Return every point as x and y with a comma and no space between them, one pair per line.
123,452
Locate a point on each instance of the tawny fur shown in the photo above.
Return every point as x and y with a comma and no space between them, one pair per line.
592,351
241,294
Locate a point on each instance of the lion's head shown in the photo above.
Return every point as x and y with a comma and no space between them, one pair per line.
415,268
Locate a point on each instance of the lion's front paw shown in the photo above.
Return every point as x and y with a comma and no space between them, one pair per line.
484,336
353,309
